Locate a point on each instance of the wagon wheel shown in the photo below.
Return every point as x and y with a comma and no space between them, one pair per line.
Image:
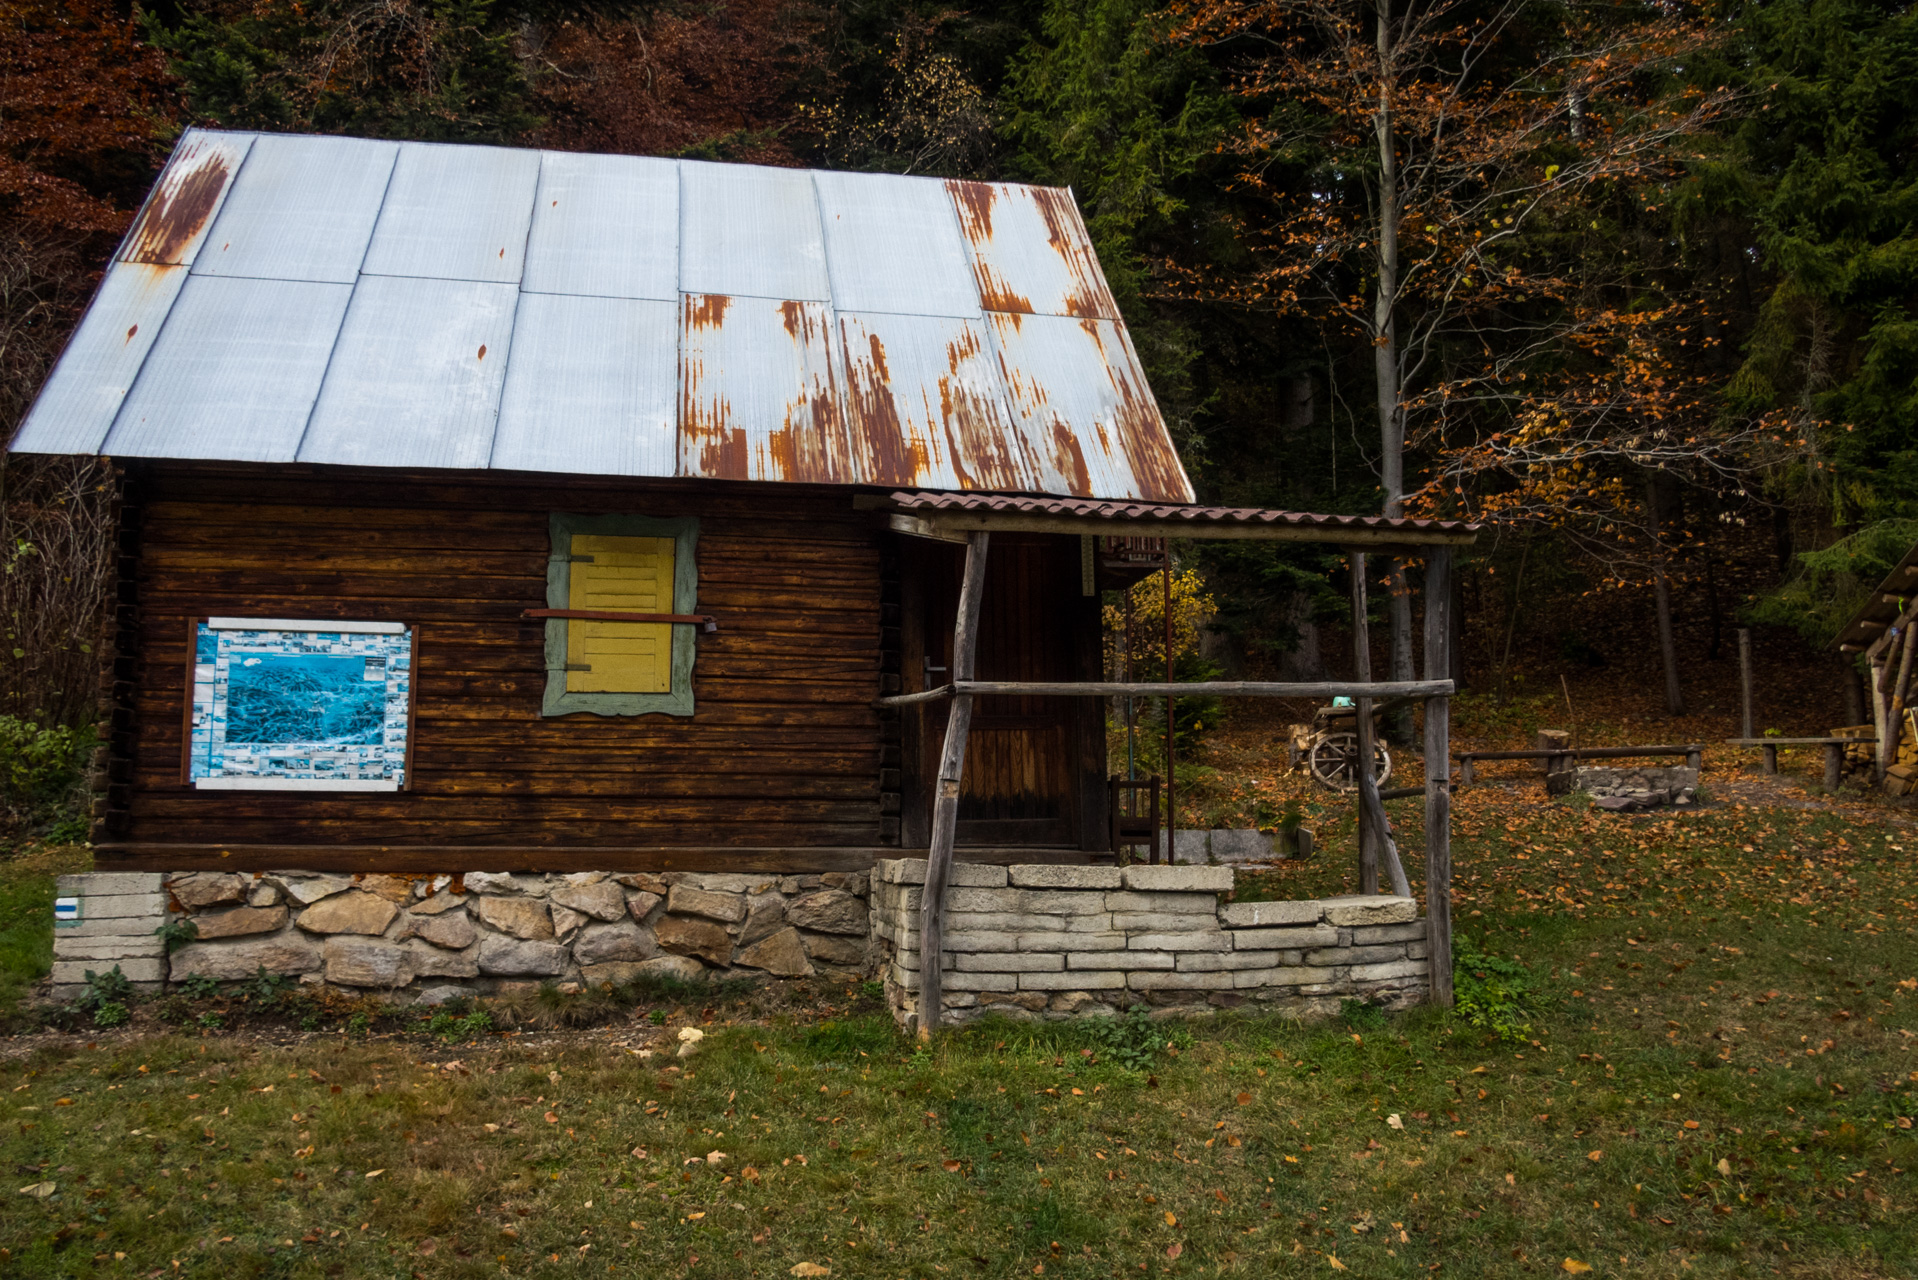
1335,756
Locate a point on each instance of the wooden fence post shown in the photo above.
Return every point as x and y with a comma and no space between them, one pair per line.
1362,766
1745,677
1438,793
945,805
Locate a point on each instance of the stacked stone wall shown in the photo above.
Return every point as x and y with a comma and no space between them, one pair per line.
454,935
1039,941
1058,942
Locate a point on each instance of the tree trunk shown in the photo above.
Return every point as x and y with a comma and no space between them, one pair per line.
1853,689
1661,589
1385,366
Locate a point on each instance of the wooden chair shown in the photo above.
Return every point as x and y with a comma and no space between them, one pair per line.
1131,826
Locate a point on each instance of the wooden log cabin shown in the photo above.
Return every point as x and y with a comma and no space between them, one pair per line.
497,510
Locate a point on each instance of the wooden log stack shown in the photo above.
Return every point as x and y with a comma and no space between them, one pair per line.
1901,776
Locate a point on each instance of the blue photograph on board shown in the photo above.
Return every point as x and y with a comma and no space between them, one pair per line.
304,697
299,709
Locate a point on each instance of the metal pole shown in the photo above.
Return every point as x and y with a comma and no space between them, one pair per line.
1131,705
1362,762
1171,779
1438,789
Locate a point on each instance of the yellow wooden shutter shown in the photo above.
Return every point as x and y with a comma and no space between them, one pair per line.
620,575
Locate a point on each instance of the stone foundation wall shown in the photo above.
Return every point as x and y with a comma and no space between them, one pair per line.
1026,941
474,934
1056,942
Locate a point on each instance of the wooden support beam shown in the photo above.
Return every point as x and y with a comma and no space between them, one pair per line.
1438,793
1397,689
1877,660
1362,766
945,805
1375,828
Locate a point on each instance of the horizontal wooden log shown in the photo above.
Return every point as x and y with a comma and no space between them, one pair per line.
1584,753
454,859
1795,742
1195,689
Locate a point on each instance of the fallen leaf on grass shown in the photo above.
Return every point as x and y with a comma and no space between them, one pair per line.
1724,1166
39,1190
951,1166
810,1269
1394,1121
1174,1249
1170,1220
1333,1258
1594,1156
375,1173
1576,1267
714,1157
1244,1099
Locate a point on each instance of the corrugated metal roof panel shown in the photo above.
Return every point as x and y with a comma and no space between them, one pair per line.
455,213
605,226
235,373
759,393
173,223
76,407
415,377
750,232
1086,410
924,399
1030,251
893,245
591,388
301,209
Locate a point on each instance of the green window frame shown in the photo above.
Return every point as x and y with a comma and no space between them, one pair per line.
678,701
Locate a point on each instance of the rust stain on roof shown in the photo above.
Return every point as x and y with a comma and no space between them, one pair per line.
1069,458
706,310
793,315
974,202
1066,233
1144,440
872,416
181,204
710,442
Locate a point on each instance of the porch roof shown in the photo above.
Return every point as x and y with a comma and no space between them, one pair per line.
952,515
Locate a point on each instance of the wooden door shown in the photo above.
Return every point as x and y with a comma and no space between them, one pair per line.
1035,767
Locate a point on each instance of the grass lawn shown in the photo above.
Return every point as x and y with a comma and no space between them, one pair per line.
1718,1080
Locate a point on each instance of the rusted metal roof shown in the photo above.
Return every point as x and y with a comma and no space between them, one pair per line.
409,304
961,510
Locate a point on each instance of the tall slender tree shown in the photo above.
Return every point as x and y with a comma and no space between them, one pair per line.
1402,155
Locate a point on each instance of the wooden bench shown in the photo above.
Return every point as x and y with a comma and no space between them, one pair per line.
1834,752
1694,754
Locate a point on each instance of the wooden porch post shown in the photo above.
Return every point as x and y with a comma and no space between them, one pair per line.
1362,767
1438,768
945,805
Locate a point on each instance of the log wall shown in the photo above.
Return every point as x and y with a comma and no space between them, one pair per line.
785,750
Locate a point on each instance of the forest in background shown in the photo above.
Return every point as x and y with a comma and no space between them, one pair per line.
1631,283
